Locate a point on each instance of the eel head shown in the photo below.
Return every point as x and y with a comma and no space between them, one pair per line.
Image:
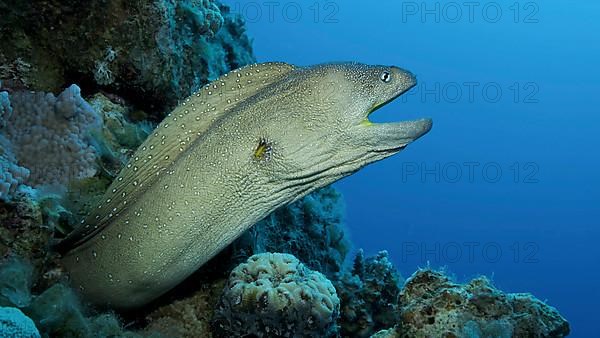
325,133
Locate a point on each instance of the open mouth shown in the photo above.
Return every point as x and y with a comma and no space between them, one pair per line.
394,136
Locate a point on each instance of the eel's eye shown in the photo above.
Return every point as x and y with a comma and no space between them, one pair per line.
385,76
263,150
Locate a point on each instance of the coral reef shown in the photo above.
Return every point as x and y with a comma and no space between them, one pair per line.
50,136
23,234
140,58
56,312
115,143
153,52
389,333
13,323
15,283
63,140
311,229
120,135
189,317
274,295
433,306
369,295
5,107
68,146
12,175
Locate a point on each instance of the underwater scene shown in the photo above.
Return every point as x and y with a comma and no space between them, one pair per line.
308,168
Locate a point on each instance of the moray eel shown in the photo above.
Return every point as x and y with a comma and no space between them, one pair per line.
255,139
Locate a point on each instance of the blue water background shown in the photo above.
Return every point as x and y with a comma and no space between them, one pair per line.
527,215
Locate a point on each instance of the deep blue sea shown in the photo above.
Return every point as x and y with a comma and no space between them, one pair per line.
507,182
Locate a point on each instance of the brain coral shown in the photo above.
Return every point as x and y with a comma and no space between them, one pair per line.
50,136
275,295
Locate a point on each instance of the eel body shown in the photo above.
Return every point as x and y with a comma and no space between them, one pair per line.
254,139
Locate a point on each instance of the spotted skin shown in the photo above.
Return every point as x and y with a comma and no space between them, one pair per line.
257,138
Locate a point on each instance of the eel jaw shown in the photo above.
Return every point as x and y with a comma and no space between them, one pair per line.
394,136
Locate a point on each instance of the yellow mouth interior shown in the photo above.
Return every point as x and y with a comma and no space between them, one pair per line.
366,121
